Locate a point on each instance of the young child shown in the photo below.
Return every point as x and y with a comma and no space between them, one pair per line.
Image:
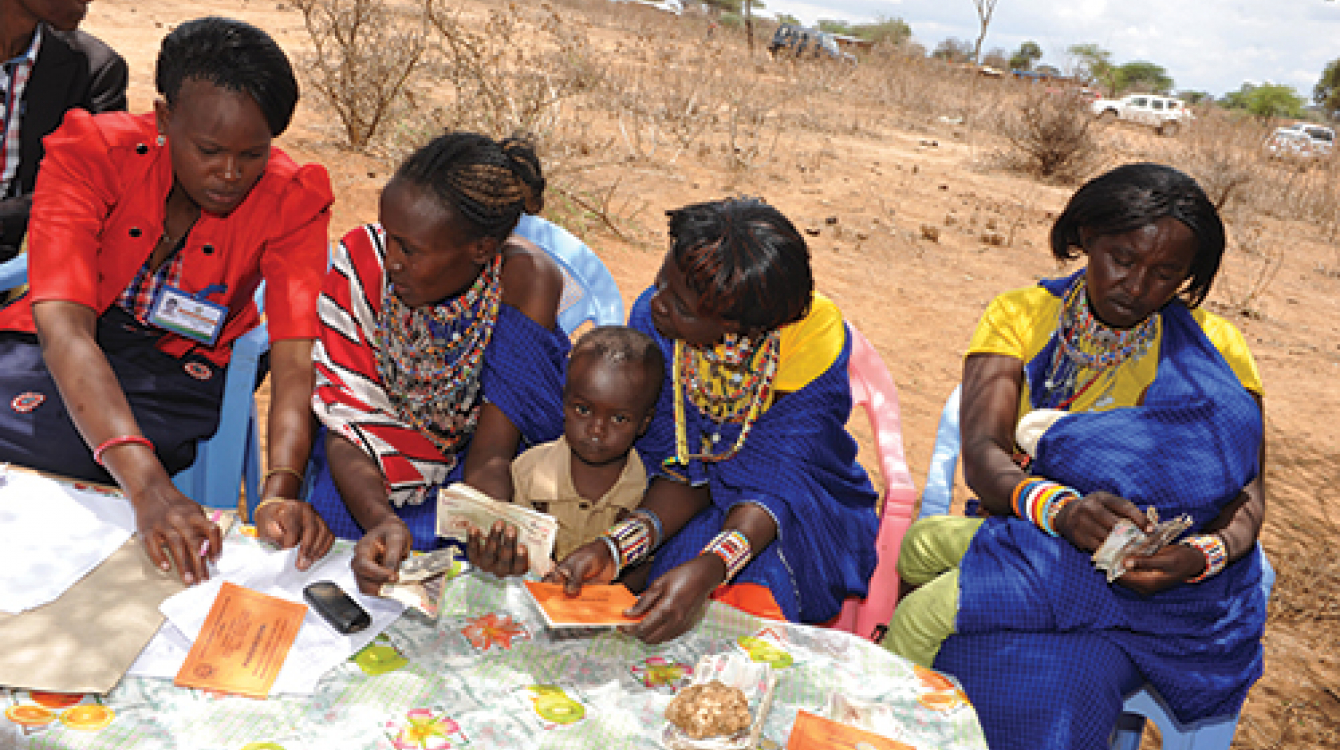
592,476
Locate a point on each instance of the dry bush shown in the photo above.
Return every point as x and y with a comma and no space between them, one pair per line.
924,88
752,127
655,111
508,75
1256,263
1050,137
1223,153
364,54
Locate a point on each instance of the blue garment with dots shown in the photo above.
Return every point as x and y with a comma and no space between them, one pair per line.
1046,647
799,463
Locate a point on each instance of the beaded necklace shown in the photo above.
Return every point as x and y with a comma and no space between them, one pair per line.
728,386
430,357
1085,343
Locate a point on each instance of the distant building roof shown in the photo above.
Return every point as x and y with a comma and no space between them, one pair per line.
854,41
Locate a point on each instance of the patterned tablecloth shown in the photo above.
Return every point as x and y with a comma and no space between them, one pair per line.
487,674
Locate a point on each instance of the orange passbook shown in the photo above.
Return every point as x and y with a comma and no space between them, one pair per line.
596,606
813,732
243,643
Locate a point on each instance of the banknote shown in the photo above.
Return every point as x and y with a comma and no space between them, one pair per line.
461,509
1126,540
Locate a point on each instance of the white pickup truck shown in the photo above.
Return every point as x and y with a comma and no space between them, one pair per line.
1163,113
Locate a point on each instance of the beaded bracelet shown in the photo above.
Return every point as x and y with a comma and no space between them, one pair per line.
1215,551
123,440
733,548
1040,501
631,541
657,529
614,553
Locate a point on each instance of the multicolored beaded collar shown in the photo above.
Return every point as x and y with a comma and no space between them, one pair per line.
1086,344
728,386
430,357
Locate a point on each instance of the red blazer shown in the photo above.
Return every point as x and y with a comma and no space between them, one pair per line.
98,212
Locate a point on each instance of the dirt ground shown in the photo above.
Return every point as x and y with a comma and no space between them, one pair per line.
912,236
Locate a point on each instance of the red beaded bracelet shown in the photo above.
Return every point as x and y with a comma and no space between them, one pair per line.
1215,551
123,440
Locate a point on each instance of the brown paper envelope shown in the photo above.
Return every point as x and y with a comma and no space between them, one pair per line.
85,641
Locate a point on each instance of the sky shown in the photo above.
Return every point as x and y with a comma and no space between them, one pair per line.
1205,45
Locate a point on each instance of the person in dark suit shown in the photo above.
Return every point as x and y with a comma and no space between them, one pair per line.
69,69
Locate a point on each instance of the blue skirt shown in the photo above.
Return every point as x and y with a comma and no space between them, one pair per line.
175,401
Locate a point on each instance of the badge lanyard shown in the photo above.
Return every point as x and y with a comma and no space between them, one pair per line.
190,315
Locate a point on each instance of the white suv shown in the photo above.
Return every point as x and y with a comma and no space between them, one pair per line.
1164,113
1302,140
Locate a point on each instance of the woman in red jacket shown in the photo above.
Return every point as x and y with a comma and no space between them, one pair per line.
149,237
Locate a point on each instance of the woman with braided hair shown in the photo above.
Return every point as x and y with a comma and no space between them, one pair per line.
439,357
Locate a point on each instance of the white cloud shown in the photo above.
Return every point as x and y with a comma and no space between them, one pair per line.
1209,45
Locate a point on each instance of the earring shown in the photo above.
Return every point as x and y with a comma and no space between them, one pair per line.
162,139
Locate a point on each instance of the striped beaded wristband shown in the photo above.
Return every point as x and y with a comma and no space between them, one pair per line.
1215,551
658,531
733,548
630,539
1039,501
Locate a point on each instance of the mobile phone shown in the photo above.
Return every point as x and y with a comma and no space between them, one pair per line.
338,608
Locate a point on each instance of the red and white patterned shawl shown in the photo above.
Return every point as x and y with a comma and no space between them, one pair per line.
350,397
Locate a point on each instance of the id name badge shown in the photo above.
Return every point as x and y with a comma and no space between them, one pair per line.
186,315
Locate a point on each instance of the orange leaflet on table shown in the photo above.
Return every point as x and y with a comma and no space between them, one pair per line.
813,732
597,605
243,644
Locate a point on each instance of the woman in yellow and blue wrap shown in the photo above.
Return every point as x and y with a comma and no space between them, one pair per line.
756,497
1157,404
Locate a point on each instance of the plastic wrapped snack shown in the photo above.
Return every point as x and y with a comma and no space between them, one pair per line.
712,709
724,708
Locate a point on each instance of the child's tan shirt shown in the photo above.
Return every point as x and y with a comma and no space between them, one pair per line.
542,479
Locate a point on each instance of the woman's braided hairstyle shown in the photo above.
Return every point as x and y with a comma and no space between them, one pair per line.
486,182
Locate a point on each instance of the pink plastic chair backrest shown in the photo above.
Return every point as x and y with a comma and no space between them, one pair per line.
872,387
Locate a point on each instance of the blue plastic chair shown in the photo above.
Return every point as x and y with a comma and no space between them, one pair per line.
233,451
14,272
1215,733
589,291
232,455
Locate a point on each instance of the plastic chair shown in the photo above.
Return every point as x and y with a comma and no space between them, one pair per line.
589,291
939,490
1215,733
14,272
232,455
873,388
233,450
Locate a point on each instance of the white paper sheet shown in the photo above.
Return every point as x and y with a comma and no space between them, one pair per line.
52,535
318,647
